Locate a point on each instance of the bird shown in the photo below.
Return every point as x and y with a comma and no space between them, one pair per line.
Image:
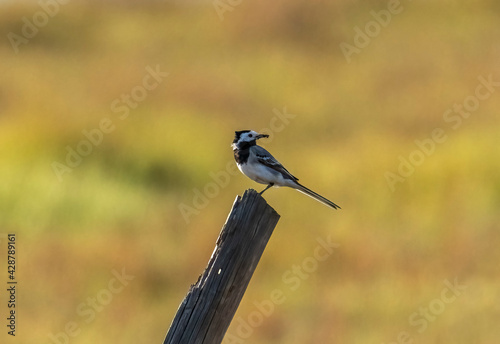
259,165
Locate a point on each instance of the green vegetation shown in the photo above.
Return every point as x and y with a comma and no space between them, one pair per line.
354,122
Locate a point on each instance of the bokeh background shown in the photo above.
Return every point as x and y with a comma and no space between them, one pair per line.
236,66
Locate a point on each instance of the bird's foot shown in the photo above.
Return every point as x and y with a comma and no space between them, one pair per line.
270,185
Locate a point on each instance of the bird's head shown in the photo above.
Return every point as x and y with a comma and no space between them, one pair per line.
246,137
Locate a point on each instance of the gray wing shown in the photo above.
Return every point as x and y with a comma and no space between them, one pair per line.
265,158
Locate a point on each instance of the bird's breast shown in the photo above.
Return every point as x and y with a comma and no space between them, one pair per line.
262,174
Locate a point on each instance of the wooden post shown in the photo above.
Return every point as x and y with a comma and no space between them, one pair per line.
207,310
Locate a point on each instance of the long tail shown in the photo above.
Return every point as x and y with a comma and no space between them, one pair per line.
317,197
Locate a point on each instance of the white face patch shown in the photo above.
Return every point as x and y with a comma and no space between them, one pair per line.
245,137
248,137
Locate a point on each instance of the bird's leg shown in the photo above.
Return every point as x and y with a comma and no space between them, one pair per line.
270,185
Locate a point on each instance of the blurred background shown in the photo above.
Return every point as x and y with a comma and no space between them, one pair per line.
116,119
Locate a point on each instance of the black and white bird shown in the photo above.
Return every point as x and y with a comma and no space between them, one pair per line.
259,165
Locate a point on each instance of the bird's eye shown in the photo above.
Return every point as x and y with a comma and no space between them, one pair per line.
250,135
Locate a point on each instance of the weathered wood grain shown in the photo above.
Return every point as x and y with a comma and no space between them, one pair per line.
207,310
